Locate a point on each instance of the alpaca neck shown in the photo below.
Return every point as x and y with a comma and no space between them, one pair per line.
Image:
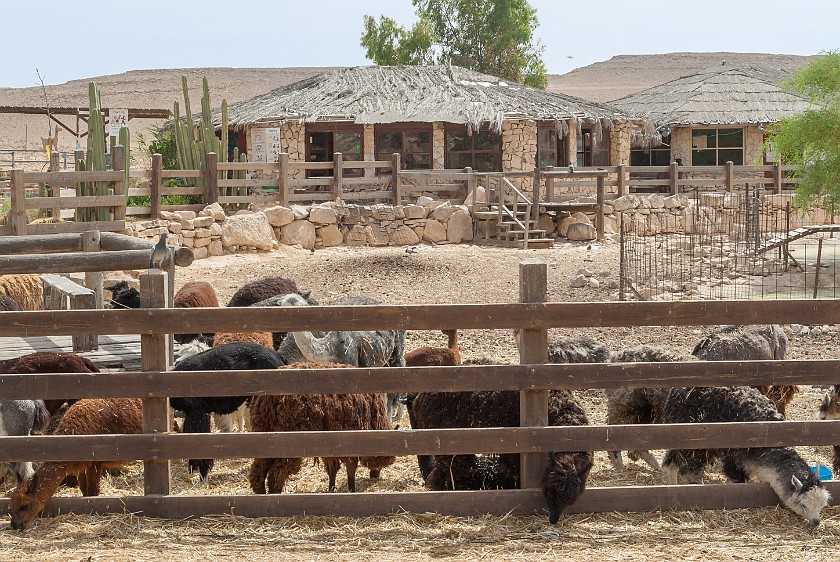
314,348
50,475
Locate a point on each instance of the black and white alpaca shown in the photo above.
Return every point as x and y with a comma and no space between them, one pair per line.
22,417
781,467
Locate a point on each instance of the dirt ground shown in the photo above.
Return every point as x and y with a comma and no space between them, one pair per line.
441,274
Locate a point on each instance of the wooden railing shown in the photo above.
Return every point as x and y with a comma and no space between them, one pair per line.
533,379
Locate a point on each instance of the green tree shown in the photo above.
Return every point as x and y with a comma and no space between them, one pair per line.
810,141
491,36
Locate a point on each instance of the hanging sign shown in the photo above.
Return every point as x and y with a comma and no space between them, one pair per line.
117,119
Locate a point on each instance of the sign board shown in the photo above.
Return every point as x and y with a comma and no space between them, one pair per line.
265,144
117,119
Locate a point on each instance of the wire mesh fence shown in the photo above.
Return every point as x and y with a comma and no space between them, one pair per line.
740,245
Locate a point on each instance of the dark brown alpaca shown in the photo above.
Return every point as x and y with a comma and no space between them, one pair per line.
436,356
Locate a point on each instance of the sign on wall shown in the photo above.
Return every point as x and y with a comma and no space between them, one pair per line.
265,144
117,119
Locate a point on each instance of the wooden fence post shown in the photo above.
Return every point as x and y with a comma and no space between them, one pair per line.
91,242
154,356
120,187
55,191
283,181
535,209
338,174
17,211
674,177
395,178
777,177
730,176
549,184
599,199
156,185
212,178
622,186
472,184
533,348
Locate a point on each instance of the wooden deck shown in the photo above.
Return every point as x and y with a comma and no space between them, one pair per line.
115,352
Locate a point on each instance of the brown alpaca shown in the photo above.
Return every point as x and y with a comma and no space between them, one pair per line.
315,412
86,417
49,362
195,294
262,338
436,356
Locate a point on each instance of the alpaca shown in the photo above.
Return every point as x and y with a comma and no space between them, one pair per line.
256,293
26,289
195,294
565,474
639,405
22,417
237,356
239,419
430,356
123,295
49,362
315,412
781,467
578,349
357,348
762,342
830,410
86,417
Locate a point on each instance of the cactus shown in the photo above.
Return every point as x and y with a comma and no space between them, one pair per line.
195,140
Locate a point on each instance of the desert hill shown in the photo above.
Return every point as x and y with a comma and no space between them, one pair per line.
159,88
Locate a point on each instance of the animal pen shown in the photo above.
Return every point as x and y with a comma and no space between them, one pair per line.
732,245
533,378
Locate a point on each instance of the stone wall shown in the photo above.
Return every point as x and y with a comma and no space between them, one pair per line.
519,150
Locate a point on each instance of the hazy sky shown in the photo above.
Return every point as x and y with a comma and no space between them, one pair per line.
88,38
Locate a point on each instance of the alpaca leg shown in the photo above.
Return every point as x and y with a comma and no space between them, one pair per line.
616,460
257,474
734,472
351,465
835,461
649,458
224,423
331,464
89,483
280,471
374,473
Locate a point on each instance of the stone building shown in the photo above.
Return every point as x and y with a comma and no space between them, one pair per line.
436,117
709,118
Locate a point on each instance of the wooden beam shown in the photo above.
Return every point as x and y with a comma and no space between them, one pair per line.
212,178
17,212
156,183
72,262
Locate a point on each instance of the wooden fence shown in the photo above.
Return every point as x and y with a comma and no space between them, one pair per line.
156,447
290,182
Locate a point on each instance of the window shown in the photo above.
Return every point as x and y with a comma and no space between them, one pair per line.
590,153
549,148
325,140
653,156
414,144
715,147
481,151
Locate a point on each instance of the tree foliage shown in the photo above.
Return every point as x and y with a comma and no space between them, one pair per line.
810,141
491,36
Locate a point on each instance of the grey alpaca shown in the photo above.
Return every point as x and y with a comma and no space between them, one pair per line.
22,417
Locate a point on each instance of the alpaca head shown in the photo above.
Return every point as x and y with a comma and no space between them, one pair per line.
830,406
25,504
564,481
123,296
807,498
193,348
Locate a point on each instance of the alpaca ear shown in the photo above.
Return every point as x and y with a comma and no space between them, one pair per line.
826,401
306,294
796,483
32,487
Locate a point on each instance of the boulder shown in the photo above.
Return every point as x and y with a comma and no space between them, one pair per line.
403,236
322,215
331,235
300,232
247,230
279,215
624,203
376,235
443,212
434,231
578,281
414,212
459,227
580,231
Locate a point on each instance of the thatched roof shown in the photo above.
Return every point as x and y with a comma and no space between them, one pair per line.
394,94
717,96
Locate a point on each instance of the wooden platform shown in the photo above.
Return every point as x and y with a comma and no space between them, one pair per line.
115,352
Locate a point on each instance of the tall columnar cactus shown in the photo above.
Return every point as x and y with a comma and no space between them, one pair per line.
195,140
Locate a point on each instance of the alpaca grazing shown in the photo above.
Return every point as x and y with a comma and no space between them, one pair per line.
195,294
759,342
315,412
49,362
123,295
85,417
781,467
565,474
830,410
427,355
639,405
22,417
357,348
237,356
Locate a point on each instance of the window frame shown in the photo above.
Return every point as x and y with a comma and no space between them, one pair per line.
462,129
560,146
717,148
334,129
648,152
402,129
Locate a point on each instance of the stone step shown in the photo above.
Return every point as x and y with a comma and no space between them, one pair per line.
538,243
